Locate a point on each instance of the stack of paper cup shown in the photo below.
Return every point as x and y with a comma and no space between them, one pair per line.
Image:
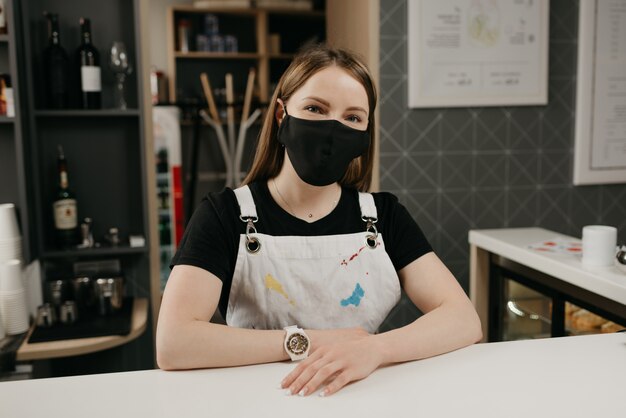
13,308
10,239
2,333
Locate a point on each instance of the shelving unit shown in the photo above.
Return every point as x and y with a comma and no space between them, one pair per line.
14,172
103,113
94,252
106,153
253,28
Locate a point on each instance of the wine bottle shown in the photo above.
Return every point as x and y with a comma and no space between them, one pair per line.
55,66
3,18
89,61
65,208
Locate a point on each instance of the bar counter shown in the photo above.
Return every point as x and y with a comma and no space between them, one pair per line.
578,376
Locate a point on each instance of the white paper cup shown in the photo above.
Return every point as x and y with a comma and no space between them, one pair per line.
2,332
599,245
14,312
8,221
11,276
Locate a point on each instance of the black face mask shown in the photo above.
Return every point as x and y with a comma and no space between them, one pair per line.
320,150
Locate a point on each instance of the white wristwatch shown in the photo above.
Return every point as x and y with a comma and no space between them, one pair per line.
297,343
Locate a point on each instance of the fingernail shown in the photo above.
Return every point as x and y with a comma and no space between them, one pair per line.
303,392
288,392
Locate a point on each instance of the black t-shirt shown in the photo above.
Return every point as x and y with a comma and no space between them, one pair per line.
211,239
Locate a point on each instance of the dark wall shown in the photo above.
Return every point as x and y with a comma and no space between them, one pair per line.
497,167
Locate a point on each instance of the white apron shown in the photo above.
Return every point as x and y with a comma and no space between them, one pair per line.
315,282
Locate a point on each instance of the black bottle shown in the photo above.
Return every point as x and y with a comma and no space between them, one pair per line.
55,66
90,75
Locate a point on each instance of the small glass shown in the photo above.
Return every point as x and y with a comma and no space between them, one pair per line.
230,43
211,25
217,43
120,65
202,43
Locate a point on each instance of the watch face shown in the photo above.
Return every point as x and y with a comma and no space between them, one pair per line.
297,344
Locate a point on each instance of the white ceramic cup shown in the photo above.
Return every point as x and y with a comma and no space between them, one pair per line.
8,222
599,245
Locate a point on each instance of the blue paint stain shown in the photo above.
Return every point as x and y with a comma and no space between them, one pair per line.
355,299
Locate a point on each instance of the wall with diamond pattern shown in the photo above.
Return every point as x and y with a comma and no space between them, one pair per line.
466,168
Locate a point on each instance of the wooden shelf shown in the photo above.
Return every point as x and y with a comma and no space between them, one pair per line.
94,252
4,38
282,56
217,55
107,113
67,348
224,10
297,12
247,10
6,119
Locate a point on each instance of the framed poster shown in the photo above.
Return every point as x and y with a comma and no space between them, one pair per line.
600,136
477,52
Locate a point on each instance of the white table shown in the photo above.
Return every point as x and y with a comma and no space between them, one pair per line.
603,287
563,377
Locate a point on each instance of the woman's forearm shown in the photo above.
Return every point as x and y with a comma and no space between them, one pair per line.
201,344
444,329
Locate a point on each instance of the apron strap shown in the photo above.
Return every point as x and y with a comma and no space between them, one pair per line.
246,203
368,207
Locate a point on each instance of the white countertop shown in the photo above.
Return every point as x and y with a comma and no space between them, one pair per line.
512,243
569,377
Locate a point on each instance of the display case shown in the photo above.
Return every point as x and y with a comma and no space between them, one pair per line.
528,315
527,304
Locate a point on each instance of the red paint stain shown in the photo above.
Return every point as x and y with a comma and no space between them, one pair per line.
352,257
550,243
574,249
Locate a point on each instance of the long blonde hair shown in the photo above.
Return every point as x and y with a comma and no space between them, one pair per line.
269,155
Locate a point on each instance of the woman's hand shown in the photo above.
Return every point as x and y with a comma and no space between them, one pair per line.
336,364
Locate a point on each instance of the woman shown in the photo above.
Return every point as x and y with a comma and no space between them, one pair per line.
301,245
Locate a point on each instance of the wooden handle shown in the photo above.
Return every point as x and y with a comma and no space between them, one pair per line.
248,96
208,94
230,111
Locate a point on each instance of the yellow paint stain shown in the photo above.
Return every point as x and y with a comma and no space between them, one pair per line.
272,284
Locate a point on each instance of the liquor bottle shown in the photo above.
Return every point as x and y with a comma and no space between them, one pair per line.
8,96
3,97
3,18
55,66
64,208
89,61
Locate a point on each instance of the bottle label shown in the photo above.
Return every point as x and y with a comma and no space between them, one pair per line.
8,92
63,181
90,79
65,214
